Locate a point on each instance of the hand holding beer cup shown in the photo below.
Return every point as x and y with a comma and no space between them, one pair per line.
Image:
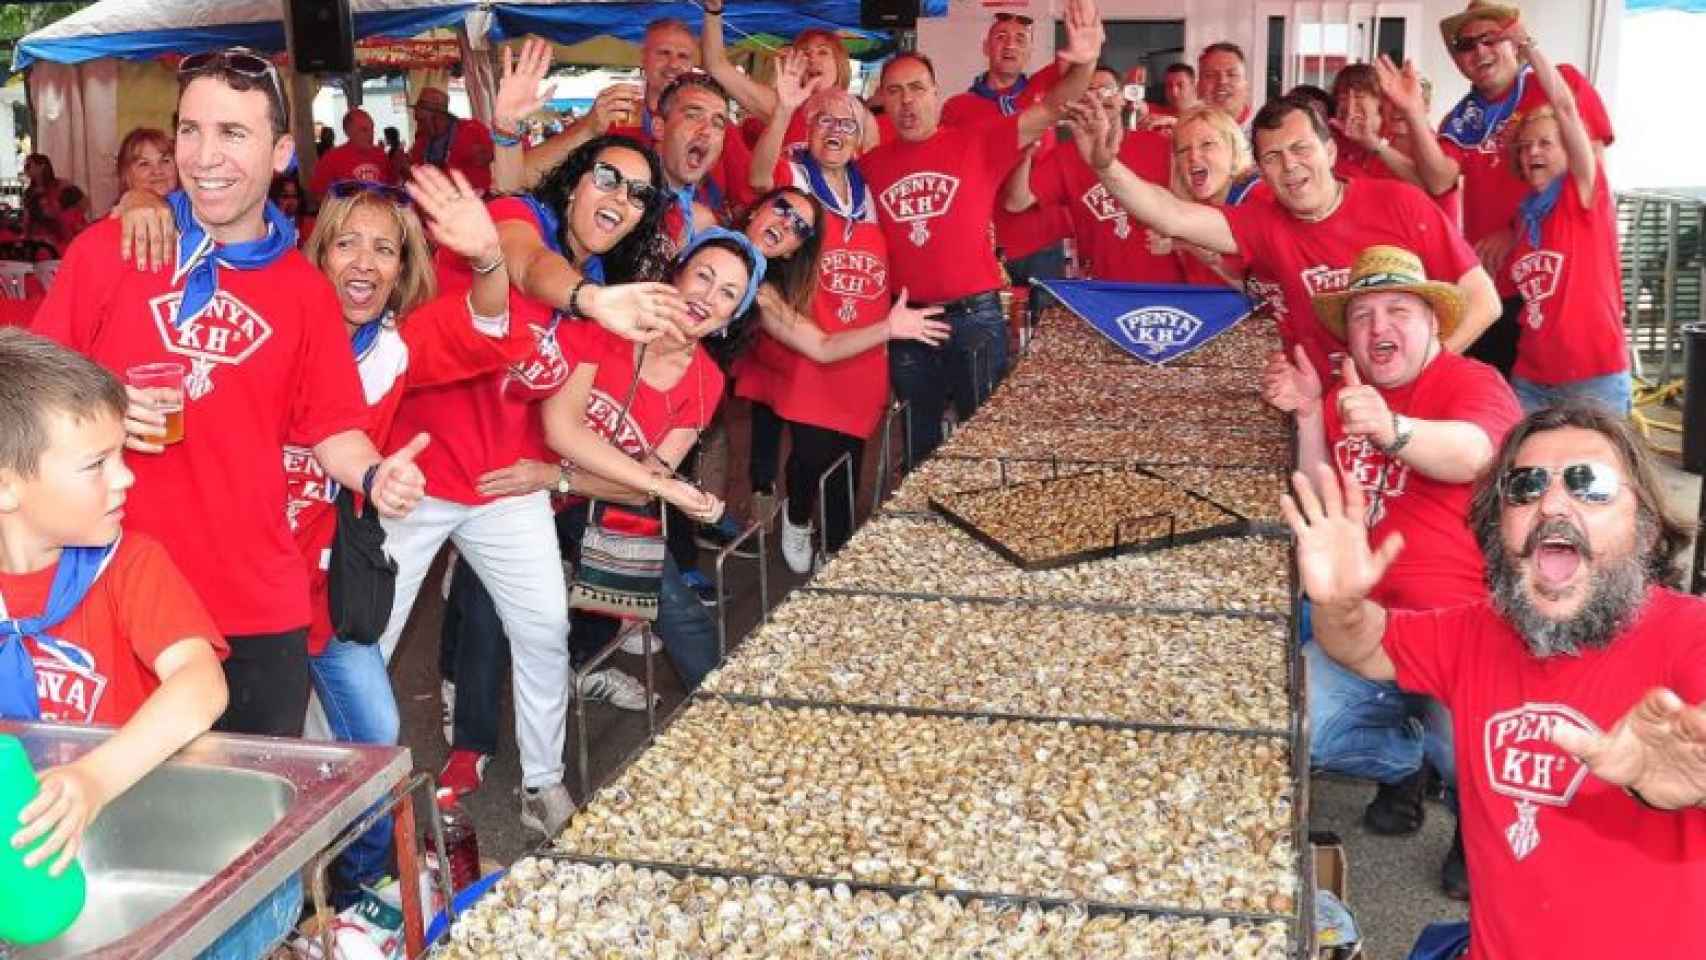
155,417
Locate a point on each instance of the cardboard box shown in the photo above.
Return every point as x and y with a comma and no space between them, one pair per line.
1332,873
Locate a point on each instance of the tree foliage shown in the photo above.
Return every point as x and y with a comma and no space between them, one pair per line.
18,20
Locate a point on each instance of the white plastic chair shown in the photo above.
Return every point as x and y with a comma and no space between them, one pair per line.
46,270
13,274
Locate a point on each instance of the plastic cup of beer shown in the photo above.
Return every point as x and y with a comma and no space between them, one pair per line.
163,385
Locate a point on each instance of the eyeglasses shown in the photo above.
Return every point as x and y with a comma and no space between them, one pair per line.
1019,17
843,125
238,61
346,189
1588,482
609,179
792,218
1472,44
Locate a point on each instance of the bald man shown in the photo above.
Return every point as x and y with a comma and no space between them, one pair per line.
357,158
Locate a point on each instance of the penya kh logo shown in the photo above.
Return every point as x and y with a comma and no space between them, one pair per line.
917,199
1159,330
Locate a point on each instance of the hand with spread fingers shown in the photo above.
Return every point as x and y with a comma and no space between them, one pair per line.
1362,410
1334,560
519,94
792,90
1293,388
1658,750
917,323
69,800
641,312
1097,139
1401,85
456,216
1084,33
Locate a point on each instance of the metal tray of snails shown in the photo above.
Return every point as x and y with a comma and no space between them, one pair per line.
922,555
1154,820
1037,405
1061,522
1251,491
1017,661
1087,379
1184,444
561,907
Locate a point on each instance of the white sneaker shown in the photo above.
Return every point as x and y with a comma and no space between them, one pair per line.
616,688
547,809
796,545
638,639
447,709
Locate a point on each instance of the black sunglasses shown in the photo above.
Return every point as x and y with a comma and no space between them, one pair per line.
240,62
1471,44
609,179
1588,482
1021,18
792,218
345,189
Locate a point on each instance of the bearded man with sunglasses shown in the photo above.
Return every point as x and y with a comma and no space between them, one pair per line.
1413,425
1575,682
257,330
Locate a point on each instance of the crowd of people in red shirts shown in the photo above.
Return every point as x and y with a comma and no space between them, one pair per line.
537,338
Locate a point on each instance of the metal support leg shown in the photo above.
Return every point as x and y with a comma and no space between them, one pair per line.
401,802
577,677
755,528
843,462
1697,582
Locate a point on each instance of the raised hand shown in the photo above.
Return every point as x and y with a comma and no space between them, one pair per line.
791,89
399,485
1084,33
1333,557
1362,410
1097,139
1402,86
617,105
455,214
518,90
1658,749
917,323
641,312
1293,388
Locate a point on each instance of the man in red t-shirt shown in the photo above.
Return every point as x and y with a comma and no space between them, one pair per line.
1223,80
258,334
357,158
936,190
1581,766
1300,243
1179,89
1004,89
1110,246
1413,425
450,142
1474,142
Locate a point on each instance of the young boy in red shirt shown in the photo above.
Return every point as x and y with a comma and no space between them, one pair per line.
111,633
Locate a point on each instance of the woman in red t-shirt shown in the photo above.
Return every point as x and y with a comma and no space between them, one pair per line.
1212,165
1565,263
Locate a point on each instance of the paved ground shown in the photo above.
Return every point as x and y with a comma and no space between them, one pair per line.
1393,882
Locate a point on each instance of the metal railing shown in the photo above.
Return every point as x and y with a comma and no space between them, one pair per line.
1664,272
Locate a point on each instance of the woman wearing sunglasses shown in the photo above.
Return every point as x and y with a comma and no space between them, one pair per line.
819,366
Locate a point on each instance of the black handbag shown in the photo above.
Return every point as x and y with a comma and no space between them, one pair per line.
361,577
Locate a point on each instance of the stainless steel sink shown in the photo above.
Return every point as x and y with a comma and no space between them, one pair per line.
201,840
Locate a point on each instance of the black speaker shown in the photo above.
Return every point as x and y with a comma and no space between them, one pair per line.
888,14
320,35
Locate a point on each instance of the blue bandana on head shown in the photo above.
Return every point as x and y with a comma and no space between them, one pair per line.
79,568
753,257
1537,206
1007,103
200,257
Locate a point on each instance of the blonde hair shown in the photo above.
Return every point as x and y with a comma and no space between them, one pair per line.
843,62
1226,129
132,145
416,281
1543,112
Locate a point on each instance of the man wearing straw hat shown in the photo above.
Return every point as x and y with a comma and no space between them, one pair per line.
1413,425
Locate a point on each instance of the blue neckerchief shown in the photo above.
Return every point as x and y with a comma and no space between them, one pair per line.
367,335
755,258
852,212
1007,103
437,150
684,197
1473,120
592,268
79,568
199,257
1538,205
1241,187
550,224
646,120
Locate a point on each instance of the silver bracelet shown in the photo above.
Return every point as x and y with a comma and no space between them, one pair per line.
485,269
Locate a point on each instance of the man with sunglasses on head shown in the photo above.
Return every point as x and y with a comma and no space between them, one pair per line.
1004,89
1575,685
1474,143
936,189
1412,425
358,158
449,142
257,331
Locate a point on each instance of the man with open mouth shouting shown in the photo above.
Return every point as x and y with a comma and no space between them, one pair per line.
1581,764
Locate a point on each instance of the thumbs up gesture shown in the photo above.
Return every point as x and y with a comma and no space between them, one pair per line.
398,485
1362,410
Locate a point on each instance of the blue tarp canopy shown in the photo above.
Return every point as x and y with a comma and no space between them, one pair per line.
144,29
1691,6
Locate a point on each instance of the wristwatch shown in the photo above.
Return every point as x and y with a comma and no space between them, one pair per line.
563,478
1402,429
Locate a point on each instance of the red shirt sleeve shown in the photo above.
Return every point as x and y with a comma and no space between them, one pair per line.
446,347
157,607
326,172
1250,223
1589,105
1444,252
1427,646
1483,398
76,304
328,396
1048,178
1000,145
583,341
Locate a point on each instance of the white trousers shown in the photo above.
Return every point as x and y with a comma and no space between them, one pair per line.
511,544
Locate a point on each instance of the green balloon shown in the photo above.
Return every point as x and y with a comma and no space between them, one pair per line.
34,907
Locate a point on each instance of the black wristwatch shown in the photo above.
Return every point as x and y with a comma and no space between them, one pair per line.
1403,428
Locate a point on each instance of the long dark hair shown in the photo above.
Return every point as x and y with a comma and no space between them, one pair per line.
738,335
795,275
637,256
1669,534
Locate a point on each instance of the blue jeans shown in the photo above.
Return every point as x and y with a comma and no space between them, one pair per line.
965,369
1613,390
355,692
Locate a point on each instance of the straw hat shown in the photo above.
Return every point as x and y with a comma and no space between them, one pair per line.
1503,13
1384,269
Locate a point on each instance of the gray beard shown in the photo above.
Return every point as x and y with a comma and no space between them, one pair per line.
1615,592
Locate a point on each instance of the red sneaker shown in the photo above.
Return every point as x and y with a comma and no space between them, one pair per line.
464,771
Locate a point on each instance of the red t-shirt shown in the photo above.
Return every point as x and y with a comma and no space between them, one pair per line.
268,361
1355,161
689,405
970,110
935,200
482,424
797,135
1291,260
1441,565
1576,263
1018,235
853,291
1111,244
437,343
1491,189
139,606
471,152
1194,270
351,162
1562,863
